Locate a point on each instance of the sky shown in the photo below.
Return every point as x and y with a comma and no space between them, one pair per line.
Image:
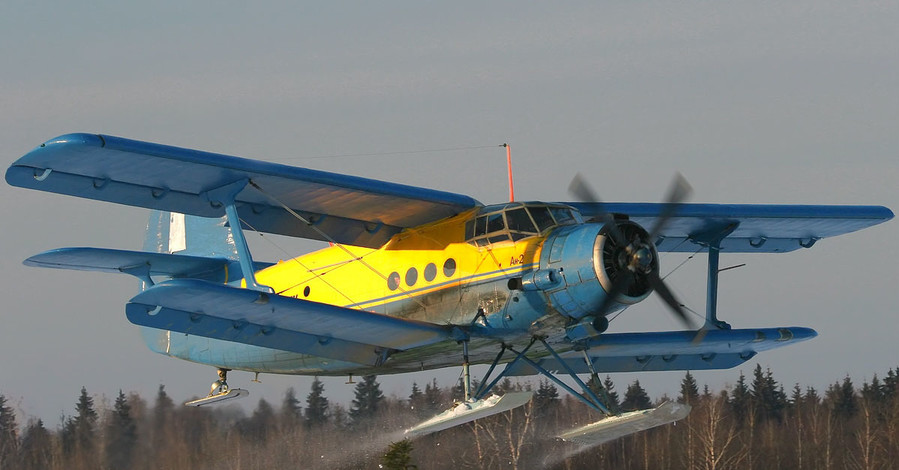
753,102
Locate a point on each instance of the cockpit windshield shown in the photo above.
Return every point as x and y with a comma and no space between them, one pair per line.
516,221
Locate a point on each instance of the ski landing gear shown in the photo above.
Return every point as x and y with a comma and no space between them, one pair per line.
612,426
473,406
219,392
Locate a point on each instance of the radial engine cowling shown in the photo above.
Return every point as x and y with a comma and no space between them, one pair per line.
583,263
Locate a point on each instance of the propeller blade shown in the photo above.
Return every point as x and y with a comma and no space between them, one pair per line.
580,189
678,192
659,286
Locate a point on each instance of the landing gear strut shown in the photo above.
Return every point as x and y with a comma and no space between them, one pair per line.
220,386
220,391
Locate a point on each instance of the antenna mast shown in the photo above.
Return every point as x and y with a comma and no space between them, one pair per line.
509,165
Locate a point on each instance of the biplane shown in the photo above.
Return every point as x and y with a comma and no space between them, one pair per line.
415,278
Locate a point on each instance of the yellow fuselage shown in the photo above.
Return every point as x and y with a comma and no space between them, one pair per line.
423,274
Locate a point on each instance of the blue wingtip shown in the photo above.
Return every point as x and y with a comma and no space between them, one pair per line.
79,138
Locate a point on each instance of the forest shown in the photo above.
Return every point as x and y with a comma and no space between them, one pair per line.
757,423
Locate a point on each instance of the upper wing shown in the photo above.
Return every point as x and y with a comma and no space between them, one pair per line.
351,210
749,228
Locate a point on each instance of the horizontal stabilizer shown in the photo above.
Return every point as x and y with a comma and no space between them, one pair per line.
467,412
613,427
670,350
273,321
141,263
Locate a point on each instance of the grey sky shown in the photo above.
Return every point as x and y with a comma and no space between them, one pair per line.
792,102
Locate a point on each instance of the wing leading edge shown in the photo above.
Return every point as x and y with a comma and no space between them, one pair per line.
269,320
745,228
351,210
672,350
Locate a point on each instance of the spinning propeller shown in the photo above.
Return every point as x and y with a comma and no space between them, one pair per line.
630,251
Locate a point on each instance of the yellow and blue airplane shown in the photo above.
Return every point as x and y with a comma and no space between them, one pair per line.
414,278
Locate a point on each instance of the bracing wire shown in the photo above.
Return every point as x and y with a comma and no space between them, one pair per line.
328,238
682,263
294,259
384,154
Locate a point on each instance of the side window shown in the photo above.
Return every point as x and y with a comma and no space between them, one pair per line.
430,272
563,216
541,217
393,280
480,226
449,267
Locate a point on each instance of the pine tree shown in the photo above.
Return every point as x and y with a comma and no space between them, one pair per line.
433,397
891,384
398,456
635,398
291,411
368,399
417,401
35,449
162,418
873,392
316,405
768,395
610,396
843,399
811,397
257,427
85,423
740,399
547,395
8,435
689,390
504,386
121,435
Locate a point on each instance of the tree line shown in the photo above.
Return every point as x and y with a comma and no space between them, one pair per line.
755,424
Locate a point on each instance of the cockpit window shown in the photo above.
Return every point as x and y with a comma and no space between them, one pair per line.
495,222
542,217
562,215
519,221
515,221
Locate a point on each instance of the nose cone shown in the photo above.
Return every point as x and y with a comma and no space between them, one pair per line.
642,260
614,260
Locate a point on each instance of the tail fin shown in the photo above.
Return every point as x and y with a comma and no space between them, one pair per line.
171,232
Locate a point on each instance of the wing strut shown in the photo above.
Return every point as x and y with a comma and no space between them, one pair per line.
224,195
588,396
711,300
